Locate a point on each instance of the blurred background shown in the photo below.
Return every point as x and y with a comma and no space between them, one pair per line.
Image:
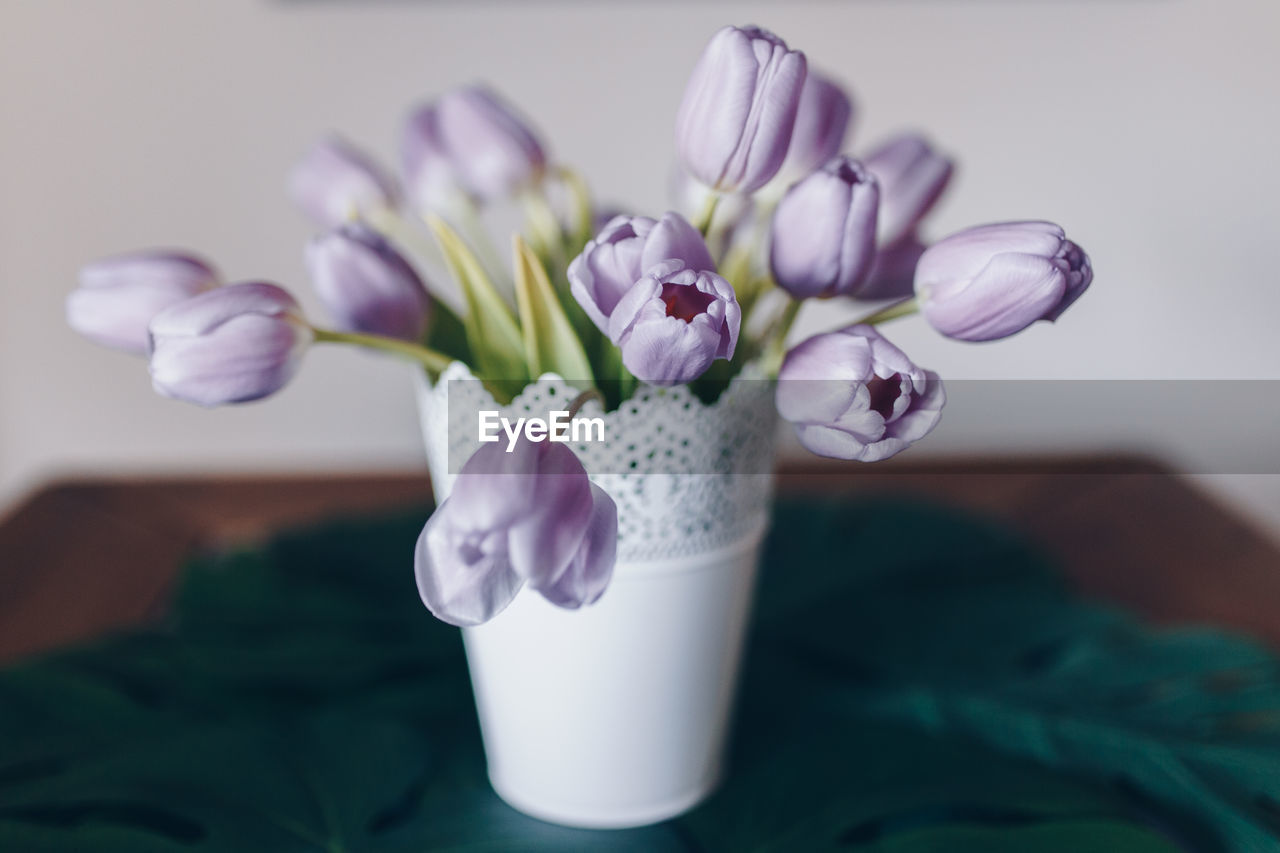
1148,129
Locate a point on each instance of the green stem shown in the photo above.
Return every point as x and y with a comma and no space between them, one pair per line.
429,358
904,308
472,226
778,344
583,214
544,225
703,220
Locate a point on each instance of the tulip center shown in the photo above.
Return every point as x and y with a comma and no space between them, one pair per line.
685,301
884,393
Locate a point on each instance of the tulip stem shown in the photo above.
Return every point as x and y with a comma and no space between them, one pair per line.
898,309
583,398
703,220
778,343
429,358
583,215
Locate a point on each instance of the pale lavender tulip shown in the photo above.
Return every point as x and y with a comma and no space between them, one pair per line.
430,180
853,395
229,345
469,140
822,242
893,272
912,177
674,322
623,251
336,183
992,281
367,285
739,109
528,516
822,125
119,295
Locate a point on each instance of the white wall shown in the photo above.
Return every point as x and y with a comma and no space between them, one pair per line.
1147,128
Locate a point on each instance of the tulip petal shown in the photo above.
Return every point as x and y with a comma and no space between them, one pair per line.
366,285
586,576
463,577
1010,293
249,357
207,311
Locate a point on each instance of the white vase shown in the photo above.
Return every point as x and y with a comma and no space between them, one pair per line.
616,715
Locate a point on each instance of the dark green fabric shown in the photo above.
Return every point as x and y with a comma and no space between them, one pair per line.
916,681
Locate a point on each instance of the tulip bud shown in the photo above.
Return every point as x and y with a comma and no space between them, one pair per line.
893,271
822,123
620,254
992,281
366,285
853,395
471,141
528,516
912,177
229,345
118,296
823,238
673,322
430,180
739,109
336,183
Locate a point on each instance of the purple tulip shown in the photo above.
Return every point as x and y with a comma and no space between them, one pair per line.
623,251
336,183
893,271
739,109
853,395
528,516
992,281
118,296
673,322
470,141
430,180
230,345
822,123
823,238
367,285
912,178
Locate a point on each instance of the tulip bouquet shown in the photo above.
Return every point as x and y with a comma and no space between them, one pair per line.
773,216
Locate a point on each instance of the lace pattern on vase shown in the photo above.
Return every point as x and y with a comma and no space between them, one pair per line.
650,444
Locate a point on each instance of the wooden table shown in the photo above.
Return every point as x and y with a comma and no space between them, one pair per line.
83,557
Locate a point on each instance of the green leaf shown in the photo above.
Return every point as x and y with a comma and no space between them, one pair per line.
448,334
550,343
493,336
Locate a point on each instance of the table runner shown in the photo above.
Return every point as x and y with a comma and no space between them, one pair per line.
916,680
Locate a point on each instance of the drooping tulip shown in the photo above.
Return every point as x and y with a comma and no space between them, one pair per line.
739,109
367,285
335,183
912,177
822,125
528,516
992,281
470,141
823,238
230,345
673,322
623,251
118,296
853,395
